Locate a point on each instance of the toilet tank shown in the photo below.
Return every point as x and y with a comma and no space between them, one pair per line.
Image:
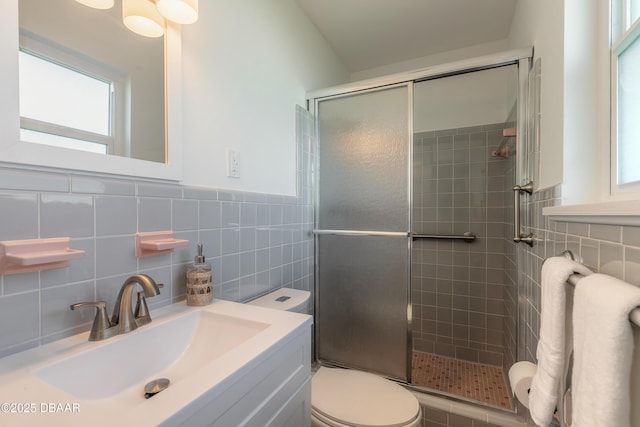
285,299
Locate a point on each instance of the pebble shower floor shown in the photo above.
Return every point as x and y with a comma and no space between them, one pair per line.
482,383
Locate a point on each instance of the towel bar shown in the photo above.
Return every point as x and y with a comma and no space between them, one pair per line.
634,316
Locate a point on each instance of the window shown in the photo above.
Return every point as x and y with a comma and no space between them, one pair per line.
66,99
625,89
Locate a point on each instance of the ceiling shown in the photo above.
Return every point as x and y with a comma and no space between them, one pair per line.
371,33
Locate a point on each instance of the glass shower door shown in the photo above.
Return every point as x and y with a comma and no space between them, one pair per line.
362,226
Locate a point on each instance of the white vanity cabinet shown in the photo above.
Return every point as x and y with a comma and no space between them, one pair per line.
274,391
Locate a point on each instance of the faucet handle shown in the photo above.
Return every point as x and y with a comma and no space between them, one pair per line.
141,306
101,325
97,304
141,313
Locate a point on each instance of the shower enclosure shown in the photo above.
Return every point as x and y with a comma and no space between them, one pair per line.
413,236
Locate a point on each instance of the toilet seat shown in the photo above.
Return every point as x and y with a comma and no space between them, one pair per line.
344,397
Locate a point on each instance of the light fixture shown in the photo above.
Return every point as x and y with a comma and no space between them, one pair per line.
97,4
180,11
142,17
147,17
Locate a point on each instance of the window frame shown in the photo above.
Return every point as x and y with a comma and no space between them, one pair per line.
623,33
117,141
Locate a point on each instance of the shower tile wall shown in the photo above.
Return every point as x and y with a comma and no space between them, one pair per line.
458,288
255,242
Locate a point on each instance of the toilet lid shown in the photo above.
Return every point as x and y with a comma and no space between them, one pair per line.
361,399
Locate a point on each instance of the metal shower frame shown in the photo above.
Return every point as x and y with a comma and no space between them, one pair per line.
521,57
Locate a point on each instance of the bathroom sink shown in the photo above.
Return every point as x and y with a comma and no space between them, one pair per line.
173,349
213,356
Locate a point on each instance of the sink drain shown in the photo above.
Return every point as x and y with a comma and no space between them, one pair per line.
156,386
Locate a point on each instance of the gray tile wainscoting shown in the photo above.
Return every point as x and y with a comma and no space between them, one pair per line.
255,242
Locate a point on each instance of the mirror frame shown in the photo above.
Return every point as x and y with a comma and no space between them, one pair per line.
14,151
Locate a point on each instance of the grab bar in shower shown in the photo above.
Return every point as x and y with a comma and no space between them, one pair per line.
517,236
467,236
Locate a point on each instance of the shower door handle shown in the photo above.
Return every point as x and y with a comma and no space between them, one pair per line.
517,236
360,233
467,237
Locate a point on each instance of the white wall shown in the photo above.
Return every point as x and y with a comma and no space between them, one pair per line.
571,38
472,99
246,64
540,23
586,106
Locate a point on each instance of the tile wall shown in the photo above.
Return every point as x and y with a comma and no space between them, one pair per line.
255,242
439,418
458,288
604,248
608,249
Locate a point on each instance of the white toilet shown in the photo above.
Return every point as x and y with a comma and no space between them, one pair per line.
345,397
285,299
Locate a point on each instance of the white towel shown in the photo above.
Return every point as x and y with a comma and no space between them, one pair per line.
603,351
553,346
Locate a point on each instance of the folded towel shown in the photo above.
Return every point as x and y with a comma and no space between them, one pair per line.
603,351
553,347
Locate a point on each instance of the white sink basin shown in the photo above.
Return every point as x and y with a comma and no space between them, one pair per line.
173,349
203,351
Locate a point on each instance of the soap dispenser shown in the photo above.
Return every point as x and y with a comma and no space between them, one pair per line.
199,281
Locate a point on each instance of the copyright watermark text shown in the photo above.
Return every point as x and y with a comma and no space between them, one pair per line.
39,408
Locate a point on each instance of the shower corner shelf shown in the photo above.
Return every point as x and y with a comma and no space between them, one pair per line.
24,256
157,243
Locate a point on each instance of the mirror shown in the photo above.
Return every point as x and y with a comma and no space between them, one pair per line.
20,154
108,81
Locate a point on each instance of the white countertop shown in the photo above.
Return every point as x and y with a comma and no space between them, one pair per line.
27,400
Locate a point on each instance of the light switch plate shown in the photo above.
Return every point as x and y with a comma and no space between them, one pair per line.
233,163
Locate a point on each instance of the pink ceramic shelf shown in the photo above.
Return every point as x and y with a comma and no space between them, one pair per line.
157,243
509,132
22,256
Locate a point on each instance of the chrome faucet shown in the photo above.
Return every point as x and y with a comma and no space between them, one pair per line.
123,319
